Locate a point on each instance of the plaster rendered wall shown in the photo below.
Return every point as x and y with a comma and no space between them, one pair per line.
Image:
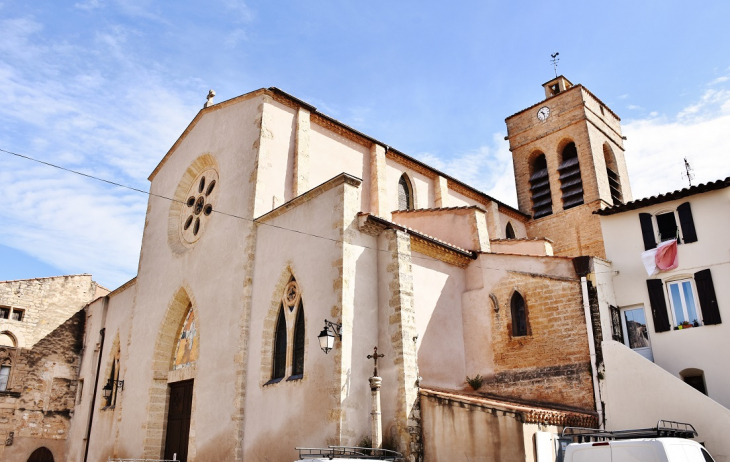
457,227
110,423
522,247
230,134
276,172
332,154
316,410
423,188
518,226
453,431
631,382
676,350
437,289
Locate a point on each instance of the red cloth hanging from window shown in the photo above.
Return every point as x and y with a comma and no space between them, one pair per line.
666,255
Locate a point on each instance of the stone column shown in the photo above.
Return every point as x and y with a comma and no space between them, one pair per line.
301,153
378,183
376,428
441,192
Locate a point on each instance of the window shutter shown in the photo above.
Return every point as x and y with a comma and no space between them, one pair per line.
658,305
708,301
687,223
647,231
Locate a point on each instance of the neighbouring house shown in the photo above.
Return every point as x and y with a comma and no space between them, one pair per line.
41,333
680,317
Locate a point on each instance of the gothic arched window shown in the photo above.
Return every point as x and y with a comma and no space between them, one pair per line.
542,201
405,193
519,315
279,369
7,355
509,232
298,353
614,182
571,184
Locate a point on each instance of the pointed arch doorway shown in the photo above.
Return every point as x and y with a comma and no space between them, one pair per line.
178,420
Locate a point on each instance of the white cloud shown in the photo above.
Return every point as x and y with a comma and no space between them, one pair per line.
487,168
94,108
656,147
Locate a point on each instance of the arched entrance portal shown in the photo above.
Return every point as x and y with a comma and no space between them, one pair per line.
41,455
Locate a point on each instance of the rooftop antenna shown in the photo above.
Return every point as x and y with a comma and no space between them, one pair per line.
555,61
688,172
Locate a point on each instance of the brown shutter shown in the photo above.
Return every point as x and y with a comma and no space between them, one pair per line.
708,301
647,231
658,305
687,223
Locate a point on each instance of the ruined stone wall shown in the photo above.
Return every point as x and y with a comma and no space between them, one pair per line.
46,302
551,363
574,232
38,409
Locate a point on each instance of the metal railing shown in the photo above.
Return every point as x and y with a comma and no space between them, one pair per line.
349,452
663,429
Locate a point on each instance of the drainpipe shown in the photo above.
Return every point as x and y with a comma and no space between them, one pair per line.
582,266
96,380
592,349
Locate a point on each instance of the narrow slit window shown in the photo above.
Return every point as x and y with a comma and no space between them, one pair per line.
614,182
405,193
571,184
279,369
298,353
519,315
542,201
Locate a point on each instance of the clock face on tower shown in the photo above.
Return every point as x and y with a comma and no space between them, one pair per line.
543,113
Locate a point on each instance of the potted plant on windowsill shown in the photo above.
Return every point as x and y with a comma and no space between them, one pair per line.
685,325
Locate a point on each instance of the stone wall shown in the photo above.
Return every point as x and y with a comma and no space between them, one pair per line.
38,409
551,364
574,232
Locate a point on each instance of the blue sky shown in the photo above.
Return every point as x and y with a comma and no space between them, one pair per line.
106,87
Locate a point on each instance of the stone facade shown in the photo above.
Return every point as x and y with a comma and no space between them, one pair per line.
37,406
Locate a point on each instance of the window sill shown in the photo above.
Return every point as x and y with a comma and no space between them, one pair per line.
295,377
273,381
686,328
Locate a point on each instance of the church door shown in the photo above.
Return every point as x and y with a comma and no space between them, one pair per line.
178,420
41,455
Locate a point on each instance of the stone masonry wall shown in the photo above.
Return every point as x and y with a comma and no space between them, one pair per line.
574,232
38,409
551,363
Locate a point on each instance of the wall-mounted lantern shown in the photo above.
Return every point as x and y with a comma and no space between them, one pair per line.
327,336
109,387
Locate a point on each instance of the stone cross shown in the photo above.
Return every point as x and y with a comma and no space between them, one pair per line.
209,102
375,357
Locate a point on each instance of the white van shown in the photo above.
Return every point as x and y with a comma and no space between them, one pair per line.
644,450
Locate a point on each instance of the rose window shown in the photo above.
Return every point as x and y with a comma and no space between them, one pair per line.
198,205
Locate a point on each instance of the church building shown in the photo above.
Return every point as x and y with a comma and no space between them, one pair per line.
270,225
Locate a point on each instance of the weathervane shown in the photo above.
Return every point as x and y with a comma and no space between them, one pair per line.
688,172
555,61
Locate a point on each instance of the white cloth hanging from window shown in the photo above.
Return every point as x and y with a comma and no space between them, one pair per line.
660,258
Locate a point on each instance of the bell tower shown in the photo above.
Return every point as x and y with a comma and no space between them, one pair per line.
568,157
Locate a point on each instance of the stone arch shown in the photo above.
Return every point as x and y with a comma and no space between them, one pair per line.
571,182
8,359
112,371
162,363
178,245
42,454
540,191
519,314
291,309
614,179
509,231
17,336
406,193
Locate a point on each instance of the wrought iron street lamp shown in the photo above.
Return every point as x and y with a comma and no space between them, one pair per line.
109,387
327,336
